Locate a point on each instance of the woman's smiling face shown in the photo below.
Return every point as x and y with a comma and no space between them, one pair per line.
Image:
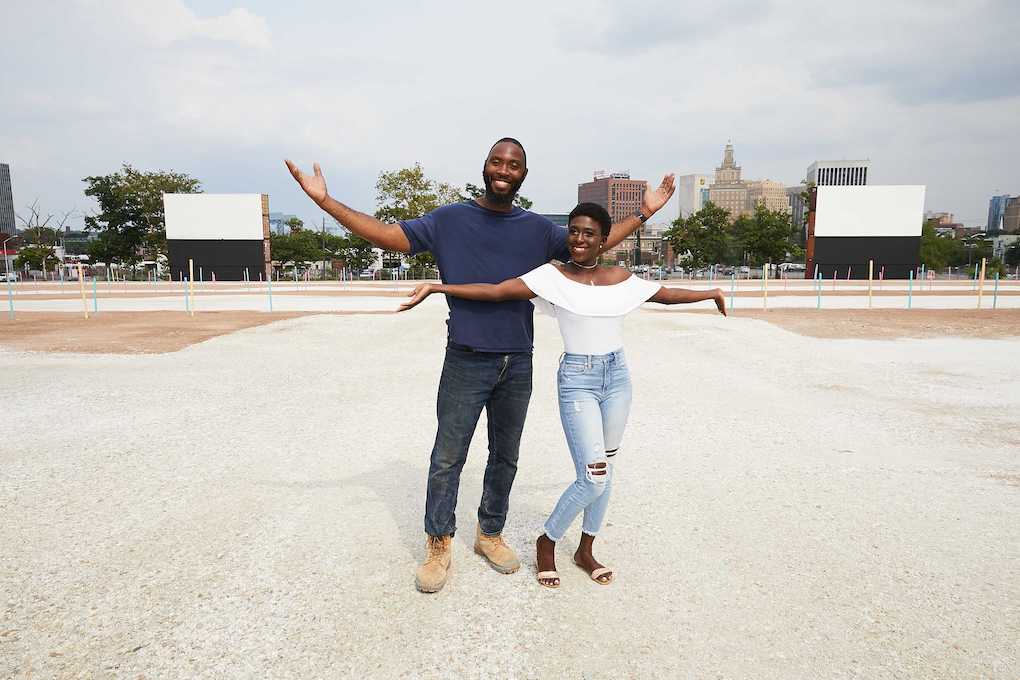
585,239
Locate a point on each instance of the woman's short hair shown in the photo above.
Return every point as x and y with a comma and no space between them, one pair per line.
594,211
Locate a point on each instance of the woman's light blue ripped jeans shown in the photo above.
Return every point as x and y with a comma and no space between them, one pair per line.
594,394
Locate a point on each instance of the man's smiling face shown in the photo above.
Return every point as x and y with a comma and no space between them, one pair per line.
504,172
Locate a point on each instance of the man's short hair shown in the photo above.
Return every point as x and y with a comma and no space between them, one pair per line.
514,142
596,212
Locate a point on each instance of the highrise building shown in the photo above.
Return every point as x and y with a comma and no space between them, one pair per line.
996,209
729,191
691,193
1011,216
616,192
838,173
769,193
7,222
798,210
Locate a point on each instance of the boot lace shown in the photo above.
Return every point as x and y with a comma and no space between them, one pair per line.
437,546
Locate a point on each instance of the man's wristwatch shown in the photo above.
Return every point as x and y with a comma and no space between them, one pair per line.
640,215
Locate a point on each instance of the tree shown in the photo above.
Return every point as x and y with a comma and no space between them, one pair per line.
1012,255
358,254
37,257
939,252
295,224
473,191
702,235
40,230
297,248
406,194
131,208
765,236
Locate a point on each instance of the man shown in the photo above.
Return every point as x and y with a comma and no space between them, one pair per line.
489,345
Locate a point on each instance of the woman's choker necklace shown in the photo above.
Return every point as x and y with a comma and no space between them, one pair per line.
584,266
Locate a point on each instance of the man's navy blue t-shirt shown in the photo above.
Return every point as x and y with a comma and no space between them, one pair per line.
474,245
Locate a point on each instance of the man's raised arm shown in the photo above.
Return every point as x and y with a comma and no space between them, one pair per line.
652,202
386,236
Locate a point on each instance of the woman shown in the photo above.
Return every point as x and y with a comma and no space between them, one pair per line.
589,303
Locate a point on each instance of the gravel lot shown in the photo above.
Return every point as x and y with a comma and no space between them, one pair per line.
250,506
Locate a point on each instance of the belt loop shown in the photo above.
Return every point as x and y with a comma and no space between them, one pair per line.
563,355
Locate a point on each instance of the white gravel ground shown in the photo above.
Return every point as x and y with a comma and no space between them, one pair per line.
785,507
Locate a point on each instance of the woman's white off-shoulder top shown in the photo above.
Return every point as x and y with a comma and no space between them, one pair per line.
590,317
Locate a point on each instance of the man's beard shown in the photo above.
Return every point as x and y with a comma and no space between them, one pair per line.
498,199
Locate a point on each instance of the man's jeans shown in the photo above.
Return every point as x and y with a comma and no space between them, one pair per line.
502,384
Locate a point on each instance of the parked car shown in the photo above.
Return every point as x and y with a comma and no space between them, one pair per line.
9,276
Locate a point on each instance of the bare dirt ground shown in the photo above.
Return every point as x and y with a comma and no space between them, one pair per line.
125,332
160,332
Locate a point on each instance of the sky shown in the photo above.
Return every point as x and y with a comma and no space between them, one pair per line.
928,91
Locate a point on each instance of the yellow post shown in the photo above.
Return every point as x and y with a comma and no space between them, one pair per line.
81,286
191,287
981,282
871,272
765,286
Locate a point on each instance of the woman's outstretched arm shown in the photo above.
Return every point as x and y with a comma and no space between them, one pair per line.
679,296
511,289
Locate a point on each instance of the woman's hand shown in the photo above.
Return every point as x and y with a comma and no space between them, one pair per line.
417,295
720,300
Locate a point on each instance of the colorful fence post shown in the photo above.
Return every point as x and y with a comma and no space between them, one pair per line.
818,290
95,298
10,300
191,287
733,288
871,271
995,291
269,287
910,288
981,283
81,287
765,286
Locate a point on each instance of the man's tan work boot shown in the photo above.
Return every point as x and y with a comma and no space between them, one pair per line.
501,556
431,575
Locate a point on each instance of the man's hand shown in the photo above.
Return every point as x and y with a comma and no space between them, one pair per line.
654,200
314,185
720,300
417,295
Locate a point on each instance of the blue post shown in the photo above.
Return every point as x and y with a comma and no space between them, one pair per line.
269,283
818,288
733,287
95,301
187,303
910,288
10,300
995,291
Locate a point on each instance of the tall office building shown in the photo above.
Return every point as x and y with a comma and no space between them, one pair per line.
996,210
7,223
798,210
769,193
1011,216
616,192
691,193
729,191
838,173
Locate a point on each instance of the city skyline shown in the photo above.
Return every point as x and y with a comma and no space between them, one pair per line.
224,93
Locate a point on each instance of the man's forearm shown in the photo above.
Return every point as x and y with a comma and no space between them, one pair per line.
386,236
